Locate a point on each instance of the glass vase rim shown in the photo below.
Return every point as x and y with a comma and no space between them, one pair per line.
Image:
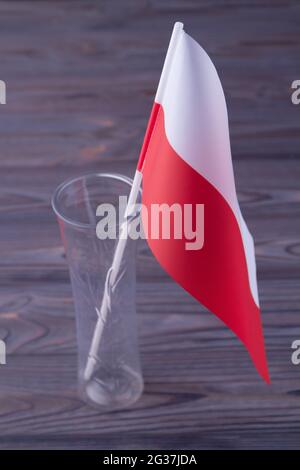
68,182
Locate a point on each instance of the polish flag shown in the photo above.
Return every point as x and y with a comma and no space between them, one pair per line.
186,159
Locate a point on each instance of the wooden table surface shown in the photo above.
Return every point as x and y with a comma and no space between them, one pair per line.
81,76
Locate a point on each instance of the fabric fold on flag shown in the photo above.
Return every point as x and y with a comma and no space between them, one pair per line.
187,160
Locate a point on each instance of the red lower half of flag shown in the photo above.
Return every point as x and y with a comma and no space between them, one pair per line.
217,274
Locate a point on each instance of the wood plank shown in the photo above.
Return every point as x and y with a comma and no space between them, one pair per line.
39,319
81,77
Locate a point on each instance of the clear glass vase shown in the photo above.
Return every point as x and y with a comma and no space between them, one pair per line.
109,368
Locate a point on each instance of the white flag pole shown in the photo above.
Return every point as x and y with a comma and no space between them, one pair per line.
176,33
115,272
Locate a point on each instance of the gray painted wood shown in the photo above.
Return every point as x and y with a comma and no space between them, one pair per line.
81,77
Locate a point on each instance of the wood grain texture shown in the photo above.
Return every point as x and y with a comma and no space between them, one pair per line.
81,77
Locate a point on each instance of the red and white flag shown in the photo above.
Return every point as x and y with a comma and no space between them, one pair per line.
186,159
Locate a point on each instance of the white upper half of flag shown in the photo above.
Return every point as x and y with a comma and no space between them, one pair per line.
196,123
